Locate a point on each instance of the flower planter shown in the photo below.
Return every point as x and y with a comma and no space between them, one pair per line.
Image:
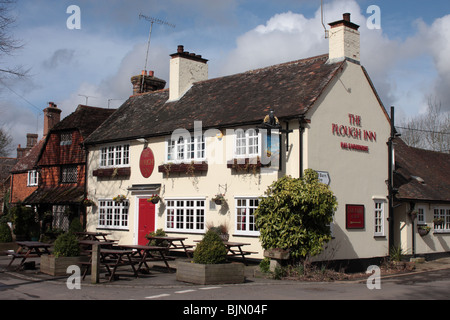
57,266
277,254
203,274
423,232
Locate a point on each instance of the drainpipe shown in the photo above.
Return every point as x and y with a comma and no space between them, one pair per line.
413,228
391,184
301,129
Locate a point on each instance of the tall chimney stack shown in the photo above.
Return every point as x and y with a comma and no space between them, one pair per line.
344,40
52,115
185,69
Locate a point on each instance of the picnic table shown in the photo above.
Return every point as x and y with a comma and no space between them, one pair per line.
144,254
111,259
95,236
235,249
173,243
29,249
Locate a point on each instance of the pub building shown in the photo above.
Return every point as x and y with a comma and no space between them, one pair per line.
234,136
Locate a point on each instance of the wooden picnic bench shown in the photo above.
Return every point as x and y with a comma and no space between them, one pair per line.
28,249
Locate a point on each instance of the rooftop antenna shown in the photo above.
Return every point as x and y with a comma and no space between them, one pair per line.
152,21
87,98
323,24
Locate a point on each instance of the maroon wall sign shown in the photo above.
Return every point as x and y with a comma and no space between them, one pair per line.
354,216
147,162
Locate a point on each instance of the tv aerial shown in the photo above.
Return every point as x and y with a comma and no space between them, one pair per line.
152,21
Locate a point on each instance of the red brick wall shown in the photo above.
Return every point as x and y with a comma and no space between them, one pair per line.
55,154
20,190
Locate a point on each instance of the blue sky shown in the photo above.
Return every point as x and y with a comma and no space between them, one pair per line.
407,58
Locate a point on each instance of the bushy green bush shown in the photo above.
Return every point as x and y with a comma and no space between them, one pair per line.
296,215
5,233
210,250
66,245
75,226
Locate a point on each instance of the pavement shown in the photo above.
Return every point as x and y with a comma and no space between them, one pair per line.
159,277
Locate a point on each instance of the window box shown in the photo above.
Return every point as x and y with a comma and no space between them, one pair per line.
245,164
112,172
187,168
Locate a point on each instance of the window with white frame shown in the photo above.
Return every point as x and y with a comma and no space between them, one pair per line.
186,149
247,143
421,219
33,178
441,220
115,156
187,215
112,214
379,218
245,220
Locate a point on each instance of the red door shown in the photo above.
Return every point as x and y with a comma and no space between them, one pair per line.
146,220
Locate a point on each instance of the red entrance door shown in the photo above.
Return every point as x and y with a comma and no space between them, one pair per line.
146,220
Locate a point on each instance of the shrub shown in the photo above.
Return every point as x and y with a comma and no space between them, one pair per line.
157,242
296,215
210,250
75,226
66,245
5,233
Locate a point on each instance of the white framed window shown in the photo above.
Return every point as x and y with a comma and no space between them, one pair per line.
245,219
247,143
112,214
69,174
115,156
185,215
186,149
33,178
379,218
442,213
65,139
421,217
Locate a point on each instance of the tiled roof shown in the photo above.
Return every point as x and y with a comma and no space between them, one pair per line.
30,160
289,89
421,174
85,118
57,195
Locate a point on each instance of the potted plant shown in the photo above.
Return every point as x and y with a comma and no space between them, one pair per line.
219,198
423,230
438,221
209,265
221,230
66,253
154,198
88,202
120,198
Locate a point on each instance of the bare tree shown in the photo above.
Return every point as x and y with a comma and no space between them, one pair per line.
5,143
8,44
429,131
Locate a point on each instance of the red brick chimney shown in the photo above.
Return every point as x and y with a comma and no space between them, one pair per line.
52,115
146,83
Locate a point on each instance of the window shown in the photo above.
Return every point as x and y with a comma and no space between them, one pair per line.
421,219
65,139
379,218
183,150
441,219
69,174
185,215
113,215
33,178
245,220
115,156
247,143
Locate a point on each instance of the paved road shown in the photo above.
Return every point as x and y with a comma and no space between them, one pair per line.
424,285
